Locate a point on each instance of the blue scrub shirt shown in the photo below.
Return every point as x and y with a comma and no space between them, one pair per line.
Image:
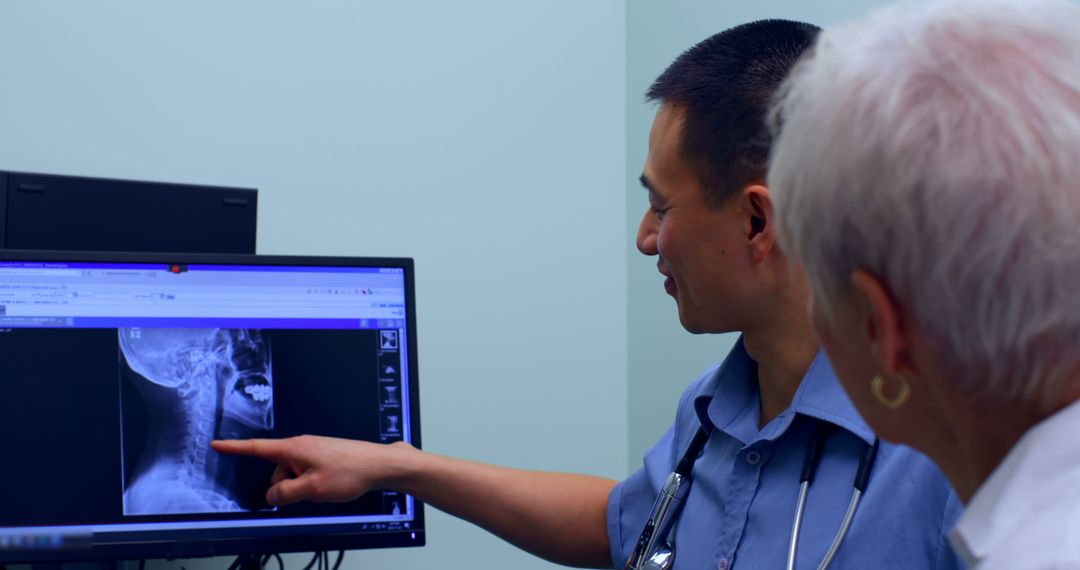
745,484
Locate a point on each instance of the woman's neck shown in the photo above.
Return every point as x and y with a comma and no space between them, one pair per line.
981,438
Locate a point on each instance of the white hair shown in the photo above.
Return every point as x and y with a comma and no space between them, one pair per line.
937,146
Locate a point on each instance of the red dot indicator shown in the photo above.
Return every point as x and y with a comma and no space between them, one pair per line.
174,268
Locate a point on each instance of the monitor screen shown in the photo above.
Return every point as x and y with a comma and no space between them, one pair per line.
119,369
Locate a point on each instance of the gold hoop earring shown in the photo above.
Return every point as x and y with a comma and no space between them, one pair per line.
877,386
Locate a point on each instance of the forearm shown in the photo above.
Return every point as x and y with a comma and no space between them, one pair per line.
560,517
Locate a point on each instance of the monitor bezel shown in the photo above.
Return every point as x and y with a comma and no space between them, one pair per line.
262,540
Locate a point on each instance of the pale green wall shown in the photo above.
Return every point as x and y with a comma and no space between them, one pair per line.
664,358
482,137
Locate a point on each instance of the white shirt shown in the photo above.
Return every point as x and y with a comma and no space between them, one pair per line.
1027,514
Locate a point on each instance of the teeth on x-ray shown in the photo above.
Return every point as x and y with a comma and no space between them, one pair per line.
261,393
195,383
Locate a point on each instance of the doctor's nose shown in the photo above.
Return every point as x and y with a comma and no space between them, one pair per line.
646,236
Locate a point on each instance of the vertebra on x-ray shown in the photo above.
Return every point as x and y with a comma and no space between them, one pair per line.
196,385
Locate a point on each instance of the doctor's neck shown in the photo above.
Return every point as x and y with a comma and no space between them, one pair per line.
783,345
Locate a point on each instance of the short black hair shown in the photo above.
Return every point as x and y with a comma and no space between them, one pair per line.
725,85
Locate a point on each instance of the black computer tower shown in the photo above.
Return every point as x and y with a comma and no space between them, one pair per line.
46,211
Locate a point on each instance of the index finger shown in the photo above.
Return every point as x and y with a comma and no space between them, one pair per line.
270,449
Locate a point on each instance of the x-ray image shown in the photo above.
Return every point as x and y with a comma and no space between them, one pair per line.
190,386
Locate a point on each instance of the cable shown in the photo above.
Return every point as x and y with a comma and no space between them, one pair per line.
340,557
249,562
314,559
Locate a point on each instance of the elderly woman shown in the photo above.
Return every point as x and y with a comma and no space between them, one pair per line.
927,176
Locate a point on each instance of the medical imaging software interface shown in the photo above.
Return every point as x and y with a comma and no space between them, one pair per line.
116,377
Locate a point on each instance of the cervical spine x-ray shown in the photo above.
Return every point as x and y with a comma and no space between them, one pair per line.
196,385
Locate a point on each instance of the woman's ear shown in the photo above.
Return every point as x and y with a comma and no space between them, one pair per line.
883,321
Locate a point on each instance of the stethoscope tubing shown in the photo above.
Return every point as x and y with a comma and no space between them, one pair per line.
844,526
668,503
796,524
862,477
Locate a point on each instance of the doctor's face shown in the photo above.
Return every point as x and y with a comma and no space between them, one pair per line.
697,245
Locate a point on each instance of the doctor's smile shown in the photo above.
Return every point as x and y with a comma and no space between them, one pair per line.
669,281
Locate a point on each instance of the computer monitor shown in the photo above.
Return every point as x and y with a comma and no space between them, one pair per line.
117,370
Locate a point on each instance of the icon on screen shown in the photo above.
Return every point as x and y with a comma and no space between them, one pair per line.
391,398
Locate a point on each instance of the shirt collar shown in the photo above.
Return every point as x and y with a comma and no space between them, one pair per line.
735,404
1044,451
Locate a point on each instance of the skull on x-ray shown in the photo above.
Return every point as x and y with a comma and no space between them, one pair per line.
196,385
226,366
249,388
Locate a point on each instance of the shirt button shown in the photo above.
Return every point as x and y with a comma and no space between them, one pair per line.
753,457
723,564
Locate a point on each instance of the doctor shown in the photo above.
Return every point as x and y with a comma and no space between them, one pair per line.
711,227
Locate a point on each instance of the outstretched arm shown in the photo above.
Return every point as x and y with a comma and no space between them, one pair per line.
558,516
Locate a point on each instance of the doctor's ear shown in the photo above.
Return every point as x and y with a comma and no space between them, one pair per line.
759,220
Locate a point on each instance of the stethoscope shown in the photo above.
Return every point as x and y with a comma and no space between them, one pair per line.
654,551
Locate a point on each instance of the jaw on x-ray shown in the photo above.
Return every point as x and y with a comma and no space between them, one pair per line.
197,385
